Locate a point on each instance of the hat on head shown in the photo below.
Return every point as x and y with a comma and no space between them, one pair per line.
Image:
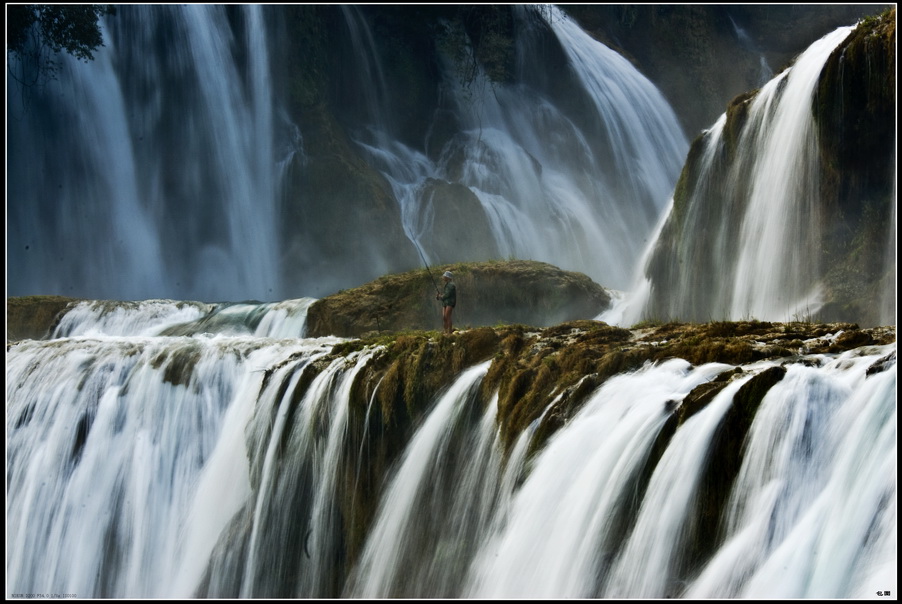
448,275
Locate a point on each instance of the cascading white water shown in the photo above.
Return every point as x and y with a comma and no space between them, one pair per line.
752,228
161,448
169,136
181,466
412,510
145,318
711,288
550,190
812,513
285,319
777,272
645,566
561,521
150,172
316,441
104,469
156,170
798,496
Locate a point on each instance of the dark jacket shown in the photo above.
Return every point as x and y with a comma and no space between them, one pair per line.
449,295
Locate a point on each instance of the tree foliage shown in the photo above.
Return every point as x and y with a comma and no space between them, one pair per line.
36,32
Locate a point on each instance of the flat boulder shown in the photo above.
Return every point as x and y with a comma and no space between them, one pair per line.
489,293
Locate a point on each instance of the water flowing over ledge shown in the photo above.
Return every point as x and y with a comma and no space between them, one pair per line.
580,460
762,224
173,449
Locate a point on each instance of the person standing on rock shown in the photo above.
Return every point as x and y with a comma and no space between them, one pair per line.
448,296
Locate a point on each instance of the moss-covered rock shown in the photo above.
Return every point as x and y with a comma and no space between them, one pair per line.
855,112
488,293
565,363
543,377
34,317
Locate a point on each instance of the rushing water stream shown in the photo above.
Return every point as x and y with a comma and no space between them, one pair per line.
157,466
170,449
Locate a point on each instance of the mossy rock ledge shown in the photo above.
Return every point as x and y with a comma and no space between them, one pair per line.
488,294
568,361
35,317
540,378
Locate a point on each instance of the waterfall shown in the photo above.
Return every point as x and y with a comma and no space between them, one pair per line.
285,319
422,530
753,208
562,523
580,192
157,169
311,446
151,170
148,431
169,167
195,443
782,219
802,485
226,464
704,285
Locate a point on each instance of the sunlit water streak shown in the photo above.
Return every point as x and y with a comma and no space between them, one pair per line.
583,196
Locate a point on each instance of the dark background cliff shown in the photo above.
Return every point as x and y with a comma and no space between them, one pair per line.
153,211
699,56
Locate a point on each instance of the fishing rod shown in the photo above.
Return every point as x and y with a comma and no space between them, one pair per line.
426,264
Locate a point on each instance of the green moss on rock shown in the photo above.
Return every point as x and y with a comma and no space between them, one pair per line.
35,317
543,378
489,293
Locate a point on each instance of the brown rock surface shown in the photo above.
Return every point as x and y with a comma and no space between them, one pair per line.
488,293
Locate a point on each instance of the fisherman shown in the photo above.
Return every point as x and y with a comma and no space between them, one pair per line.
448,296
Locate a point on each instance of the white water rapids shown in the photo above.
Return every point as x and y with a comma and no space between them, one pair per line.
153,466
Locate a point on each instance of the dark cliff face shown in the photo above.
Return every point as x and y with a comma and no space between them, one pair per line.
855,110
701,56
